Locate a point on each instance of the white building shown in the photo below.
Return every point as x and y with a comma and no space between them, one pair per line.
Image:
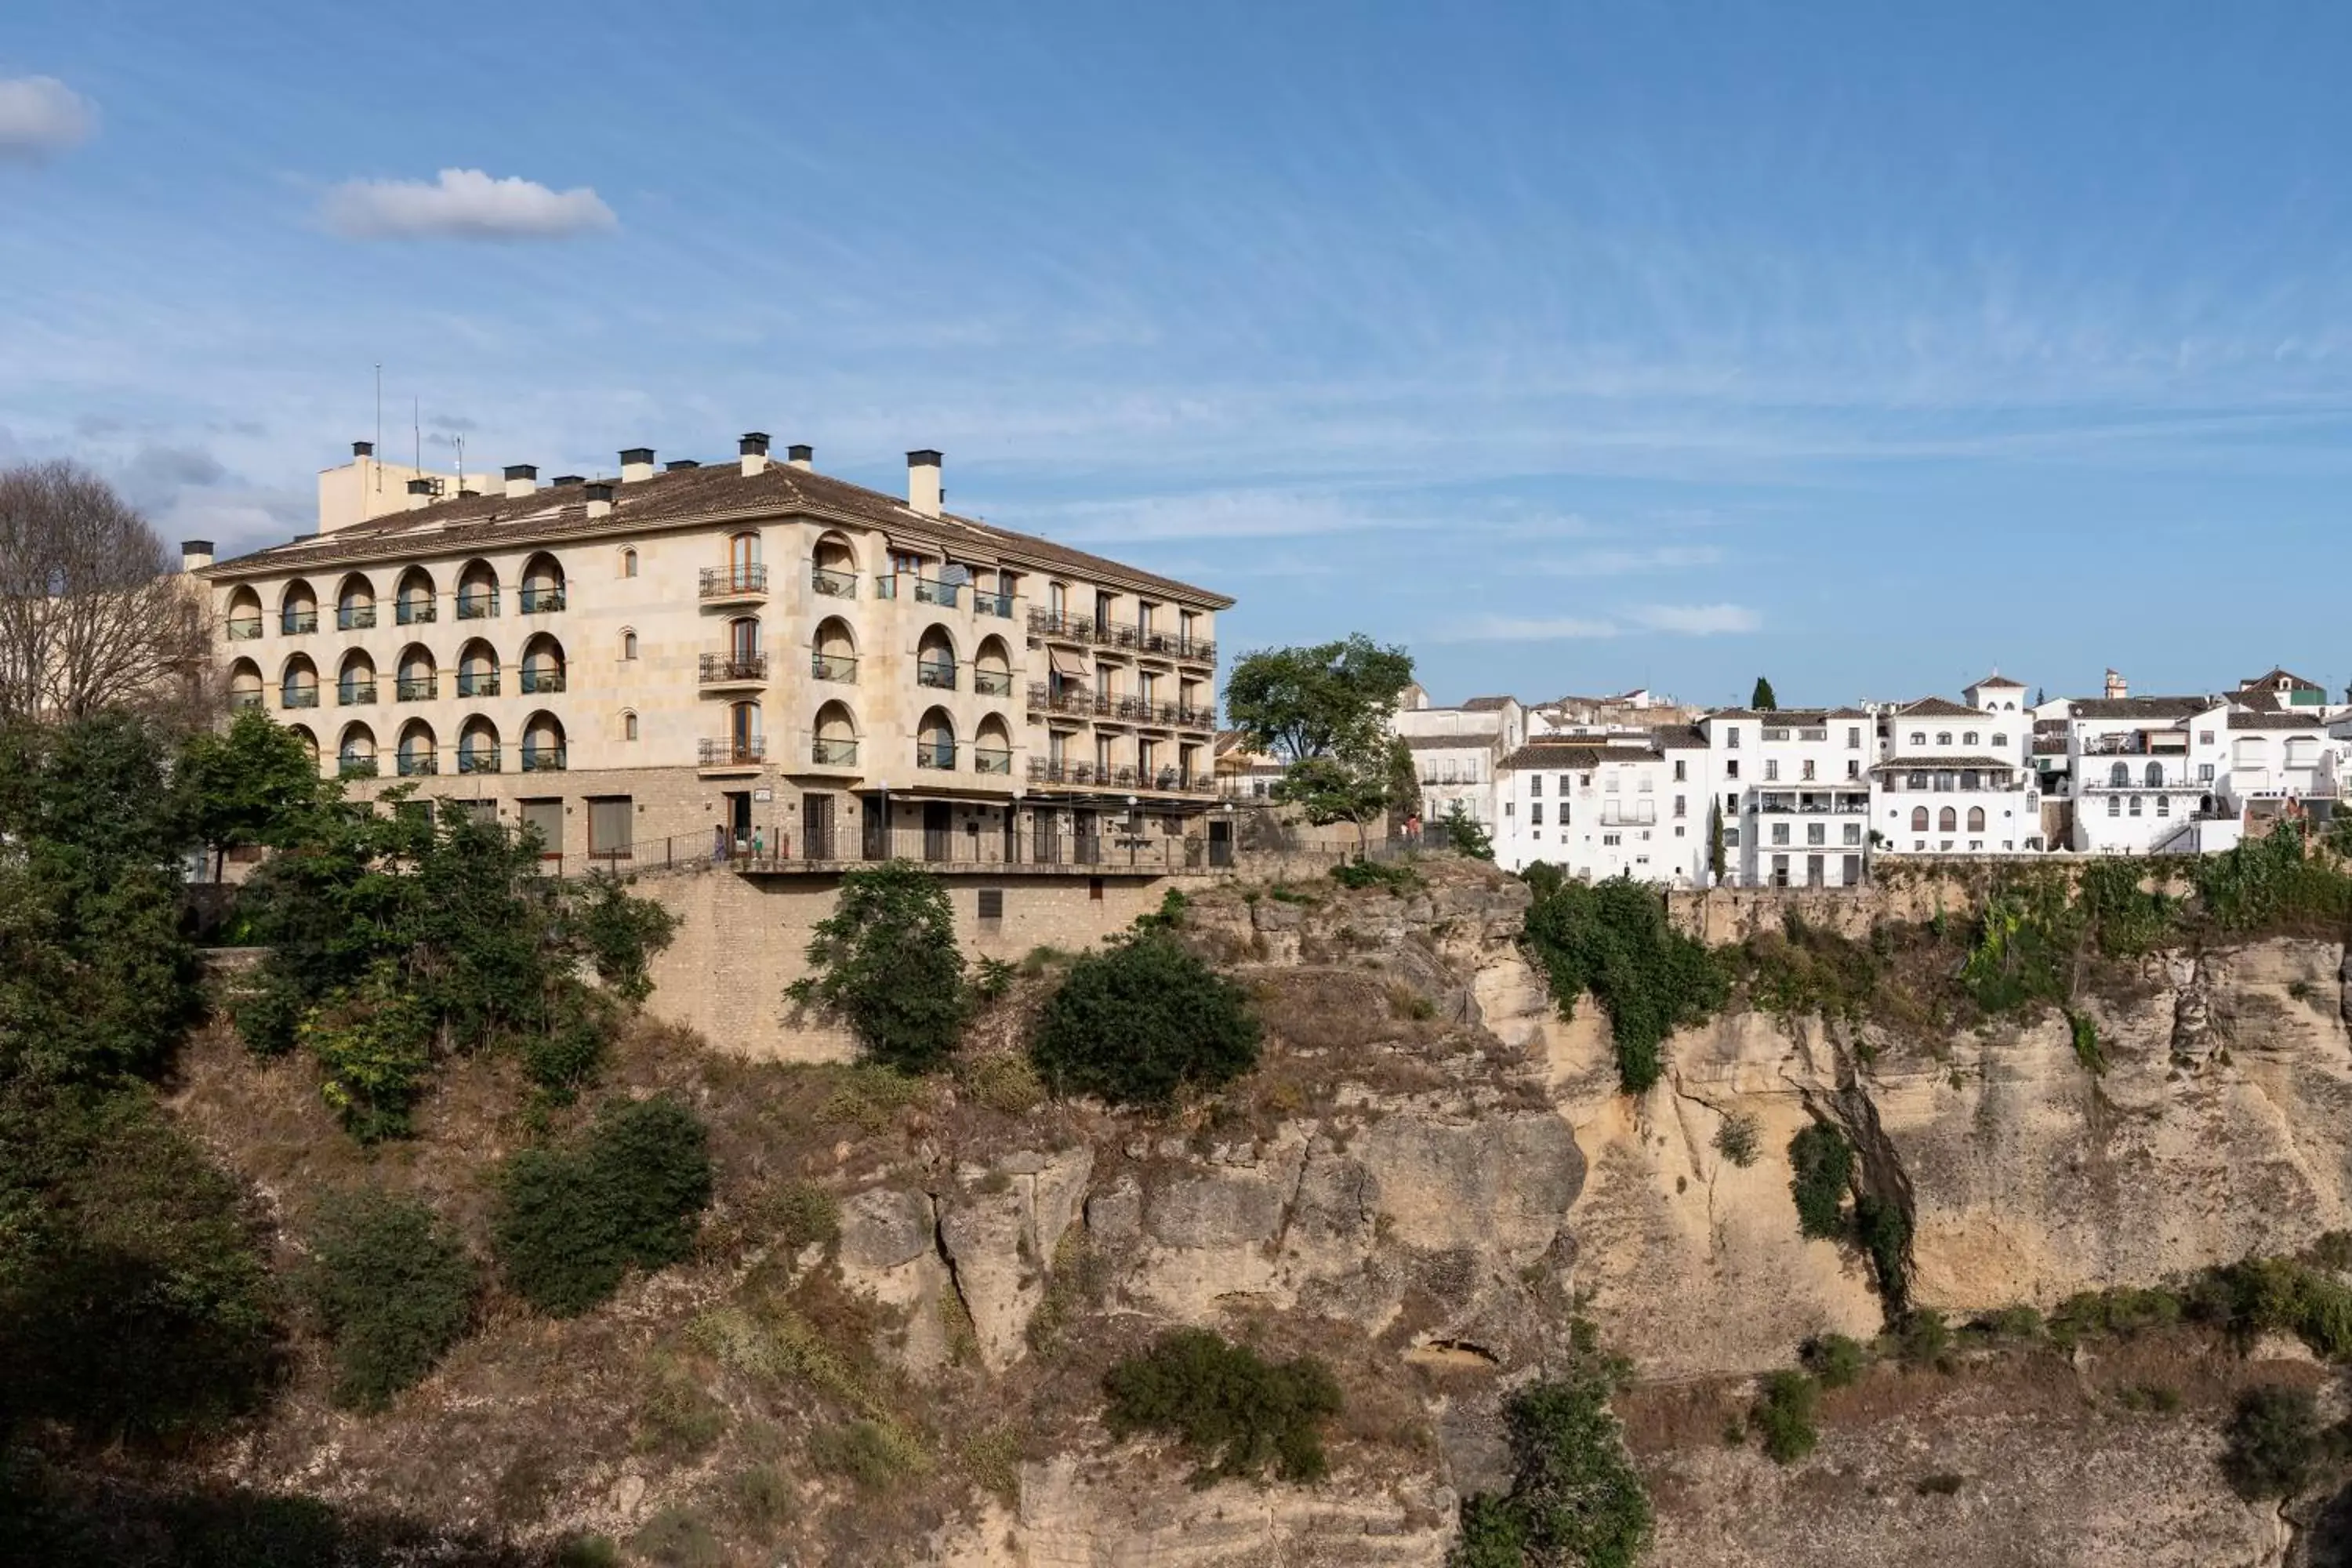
2146,772
1957,779
1456,751
1621,805
1794,785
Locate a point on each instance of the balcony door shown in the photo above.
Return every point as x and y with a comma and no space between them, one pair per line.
939,830
743,640
816,827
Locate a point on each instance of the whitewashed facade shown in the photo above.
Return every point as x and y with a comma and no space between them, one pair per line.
1627,804
1795,786
1956,778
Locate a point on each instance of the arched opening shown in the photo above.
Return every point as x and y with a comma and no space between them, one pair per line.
743,574
355,756
934,660
309,742
297,609
1947,820
477,669
992,748
298,686
542,584
935,741
355,682
628,562
542,665
833,655
1969,738
2119,774
244,684
414,678
992,668
418,754
477,746
836,737
355,604
628,725
543,744
413,606
2155,775
478,591
244,615
833,566
629,643
1918,819
1943,738
1976,820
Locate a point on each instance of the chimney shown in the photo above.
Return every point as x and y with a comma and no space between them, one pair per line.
754,448
420,492
522,479
677,463
637,463
362,448
2117,687
923,492
800,455
195,554
600,498
559,481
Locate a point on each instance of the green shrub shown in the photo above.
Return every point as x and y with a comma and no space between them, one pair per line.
1835,1361
1782,1417
1613,939
1736,1139
762,1496
799,1212
573,1221
1466,835
2123,1310
1141,1023
886,962
2012,1324
1925,1340
678,1538
2087,1050
676,1415
874,1455
1884,1232
373,1045
1820,1167
565,1056
395,1288
2275,1443
588,1551
1362,874
1576,1501
619,934
1235,1412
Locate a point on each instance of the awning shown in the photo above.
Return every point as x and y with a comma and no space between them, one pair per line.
1070,666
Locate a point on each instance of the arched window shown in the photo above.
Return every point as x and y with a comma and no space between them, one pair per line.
543,744
744,743
2155,775
1976,820
628,562
2119,774
1998,739
935,741
355,756
744,574
744,640
542,585
355,682
477,746
1943,737
244,615
836,737
478,591
934,660
629,645
991,751
416,679
477,669
297,609
992,668
355,604
298,686
245,684
628,726
1969,738
833,567
1918,819
833,654
542,665
418,755
413,606
1947,820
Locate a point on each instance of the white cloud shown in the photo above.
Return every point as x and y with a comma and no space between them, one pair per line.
464,204
40,115
1516,628
1625,562
1699,620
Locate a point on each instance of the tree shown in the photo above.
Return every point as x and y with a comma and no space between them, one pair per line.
248,785
1467,835
1302,702
1715,846
1613,938
1762,699
887,964
573,1221
1143,1021
1235,1411
91,616
1576,1501
394,1285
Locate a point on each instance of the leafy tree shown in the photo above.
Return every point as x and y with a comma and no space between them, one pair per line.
1613,940
620,933
1234,1410
1142,1022
1761,700
1467,835
1784,1415
394,1285
1576,1501
246,785
886,963
574,1220
1355,788
1820,1168
1323,710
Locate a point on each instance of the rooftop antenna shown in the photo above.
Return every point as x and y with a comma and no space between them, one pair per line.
461,463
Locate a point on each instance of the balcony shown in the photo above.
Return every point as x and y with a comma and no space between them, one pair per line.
932,591
299,697
354,693
480,760
740,752
419,765
746,582
541,599
241,699
833,753
833,666
248,630
541,680
483,683
355,767
1165,780
541,759
476,606
991,682
986,601
2138,744
734,668
991,760
293,623
1075,702
937,674
936,755
1635,814
415,613
833,583
413,689
355,619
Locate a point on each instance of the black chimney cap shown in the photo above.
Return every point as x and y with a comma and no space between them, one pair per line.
636,454
754,444
195,547
362,448
800,452
568,480
601,491
923,458
522,470
420,487
675,464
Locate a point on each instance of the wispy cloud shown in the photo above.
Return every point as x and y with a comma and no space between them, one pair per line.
1683,620
463,203
41,116
1698,620
1621,563
1539,628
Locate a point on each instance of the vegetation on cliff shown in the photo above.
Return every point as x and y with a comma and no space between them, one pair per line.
1142,1022
1575,1500
1233,1411
886,964
1613,939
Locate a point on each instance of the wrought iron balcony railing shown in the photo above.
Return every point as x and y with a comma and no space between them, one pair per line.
720,667
728,581
734,752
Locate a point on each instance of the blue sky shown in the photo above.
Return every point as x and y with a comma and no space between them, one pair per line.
1575,347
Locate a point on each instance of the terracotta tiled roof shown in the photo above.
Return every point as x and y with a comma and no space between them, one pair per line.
1790,716
2273,675
1485,704
1679,738
1926,760
1992,681
1554,754
682,498
1938,708
2276,721
1449,742
2143,707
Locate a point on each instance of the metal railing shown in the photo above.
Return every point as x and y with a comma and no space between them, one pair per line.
1067,627
295,622
351,693
937,673
479,760
414,687
991,760
832,584
415,613
354,618
237,700
730,752
244,630
415,764
991,682
726,582
933,590
355,767
990,603
935,754
728,667
476,606
1120,776
833,753
1114,848
541,759
298,697
540,680
541,600
833,666
472,684
1042,700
